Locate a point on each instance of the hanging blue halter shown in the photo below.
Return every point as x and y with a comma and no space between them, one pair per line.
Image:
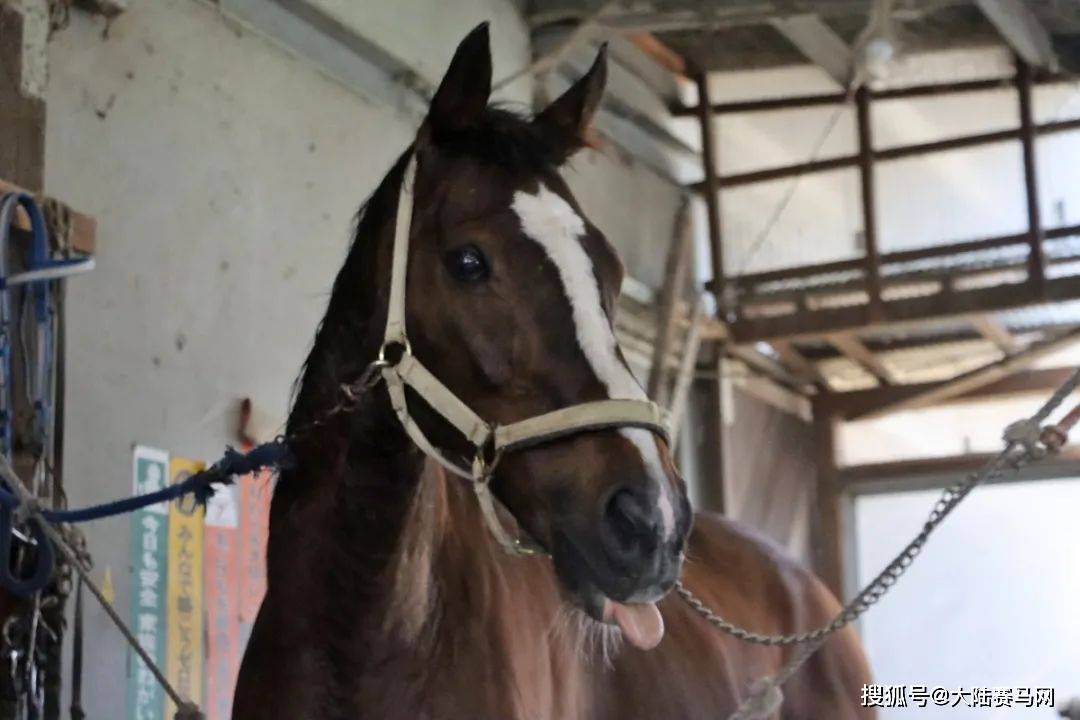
41,270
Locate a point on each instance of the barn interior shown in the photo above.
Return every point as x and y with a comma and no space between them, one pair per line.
851,231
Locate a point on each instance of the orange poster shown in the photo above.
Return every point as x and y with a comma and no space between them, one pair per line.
222,598
255,491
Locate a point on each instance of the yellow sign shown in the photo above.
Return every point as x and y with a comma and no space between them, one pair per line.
184,591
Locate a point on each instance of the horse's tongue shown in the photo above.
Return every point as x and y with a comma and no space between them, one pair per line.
641,624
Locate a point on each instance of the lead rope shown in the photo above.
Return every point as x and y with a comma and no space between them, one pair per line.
1022,445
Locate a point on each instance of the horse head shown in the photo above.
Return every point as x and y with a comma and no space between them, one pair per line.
510,302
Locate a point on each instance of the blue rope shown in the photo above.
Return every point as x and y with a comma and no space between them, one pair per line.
201,485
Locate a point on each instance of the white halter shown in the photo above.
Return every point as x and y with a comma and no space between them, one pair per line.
489,439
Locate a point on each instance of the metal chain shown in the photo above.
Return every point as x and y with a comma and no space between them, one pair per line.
1022,446
880,585
1007,459
351,395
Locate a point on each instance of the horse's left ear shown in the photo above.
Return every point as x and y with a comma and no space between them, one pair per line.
567,119
463,93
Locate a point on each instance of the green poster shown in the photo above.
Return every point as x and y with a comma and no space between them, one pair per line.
149,540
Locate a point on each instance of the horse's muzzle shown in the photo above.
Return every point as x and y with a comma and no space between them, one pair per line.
642,556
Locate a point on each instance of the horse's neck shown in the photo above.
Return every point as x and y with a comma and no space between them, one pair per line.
397,577
386,531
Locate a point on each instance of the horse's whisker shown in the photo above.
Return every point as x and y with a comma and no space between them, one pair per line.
588,639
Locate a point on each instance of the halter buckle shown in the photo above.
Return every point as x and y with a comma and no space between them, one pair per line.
485,459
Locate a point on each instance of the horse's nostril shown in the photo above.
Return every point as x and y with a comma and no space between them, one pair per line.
631,520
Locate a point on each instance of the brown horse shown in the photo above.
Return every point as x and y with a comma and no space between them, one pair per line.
387,597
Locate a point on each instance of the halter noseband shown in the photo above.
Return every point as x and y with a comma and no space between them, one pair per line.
490,440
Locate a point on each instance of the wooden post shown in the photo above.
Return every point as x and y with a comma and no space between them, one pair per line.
676,275
872,265
719,494
1036,261
832,526
711,188
22,110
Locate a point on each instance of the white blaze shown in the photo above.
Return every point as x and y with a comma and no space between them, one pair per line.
550,221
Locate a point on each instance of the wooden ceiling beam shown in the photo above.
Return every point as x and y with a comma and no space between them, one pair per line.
905,313
900,473
850,405
995,331
968,382
660,53
800,366
819,43
852,348
1016,22
765,365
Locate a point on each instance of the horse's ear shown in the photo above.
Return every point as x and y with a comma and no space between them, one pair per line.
567,119
463,93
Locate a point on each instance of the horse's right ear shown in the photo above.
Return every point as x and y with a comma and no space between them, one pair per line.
567,119
463,93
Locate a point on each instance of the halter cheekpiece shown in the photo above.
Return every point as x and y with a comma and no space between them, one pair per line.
399,368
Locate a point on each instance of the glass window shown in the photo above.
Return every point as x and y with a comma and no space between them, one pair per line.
992,601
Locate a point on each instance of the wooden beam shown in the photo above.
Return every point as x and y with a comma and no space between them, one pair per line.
1017,24
659,52
850,405
901,256
83,227
899,313
853,348
799,365
23,40
762,363
901,93
882,475
831,517
996,332
819,43
696,17
687,364
710,186
676,277
1036,260
893,153
872,265
785,171
715,451
970,381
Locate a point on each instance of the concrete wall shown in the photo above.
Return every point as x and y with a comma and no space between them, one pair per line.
224,172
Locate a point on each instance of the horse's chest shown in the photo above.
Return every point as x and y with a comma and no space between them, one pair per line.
480,673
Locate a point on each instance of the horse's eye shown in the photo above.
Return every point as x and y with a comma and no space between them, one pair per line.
467,264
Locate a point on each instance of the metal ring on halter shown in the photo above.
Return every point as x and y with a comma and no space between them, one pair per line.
406,349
